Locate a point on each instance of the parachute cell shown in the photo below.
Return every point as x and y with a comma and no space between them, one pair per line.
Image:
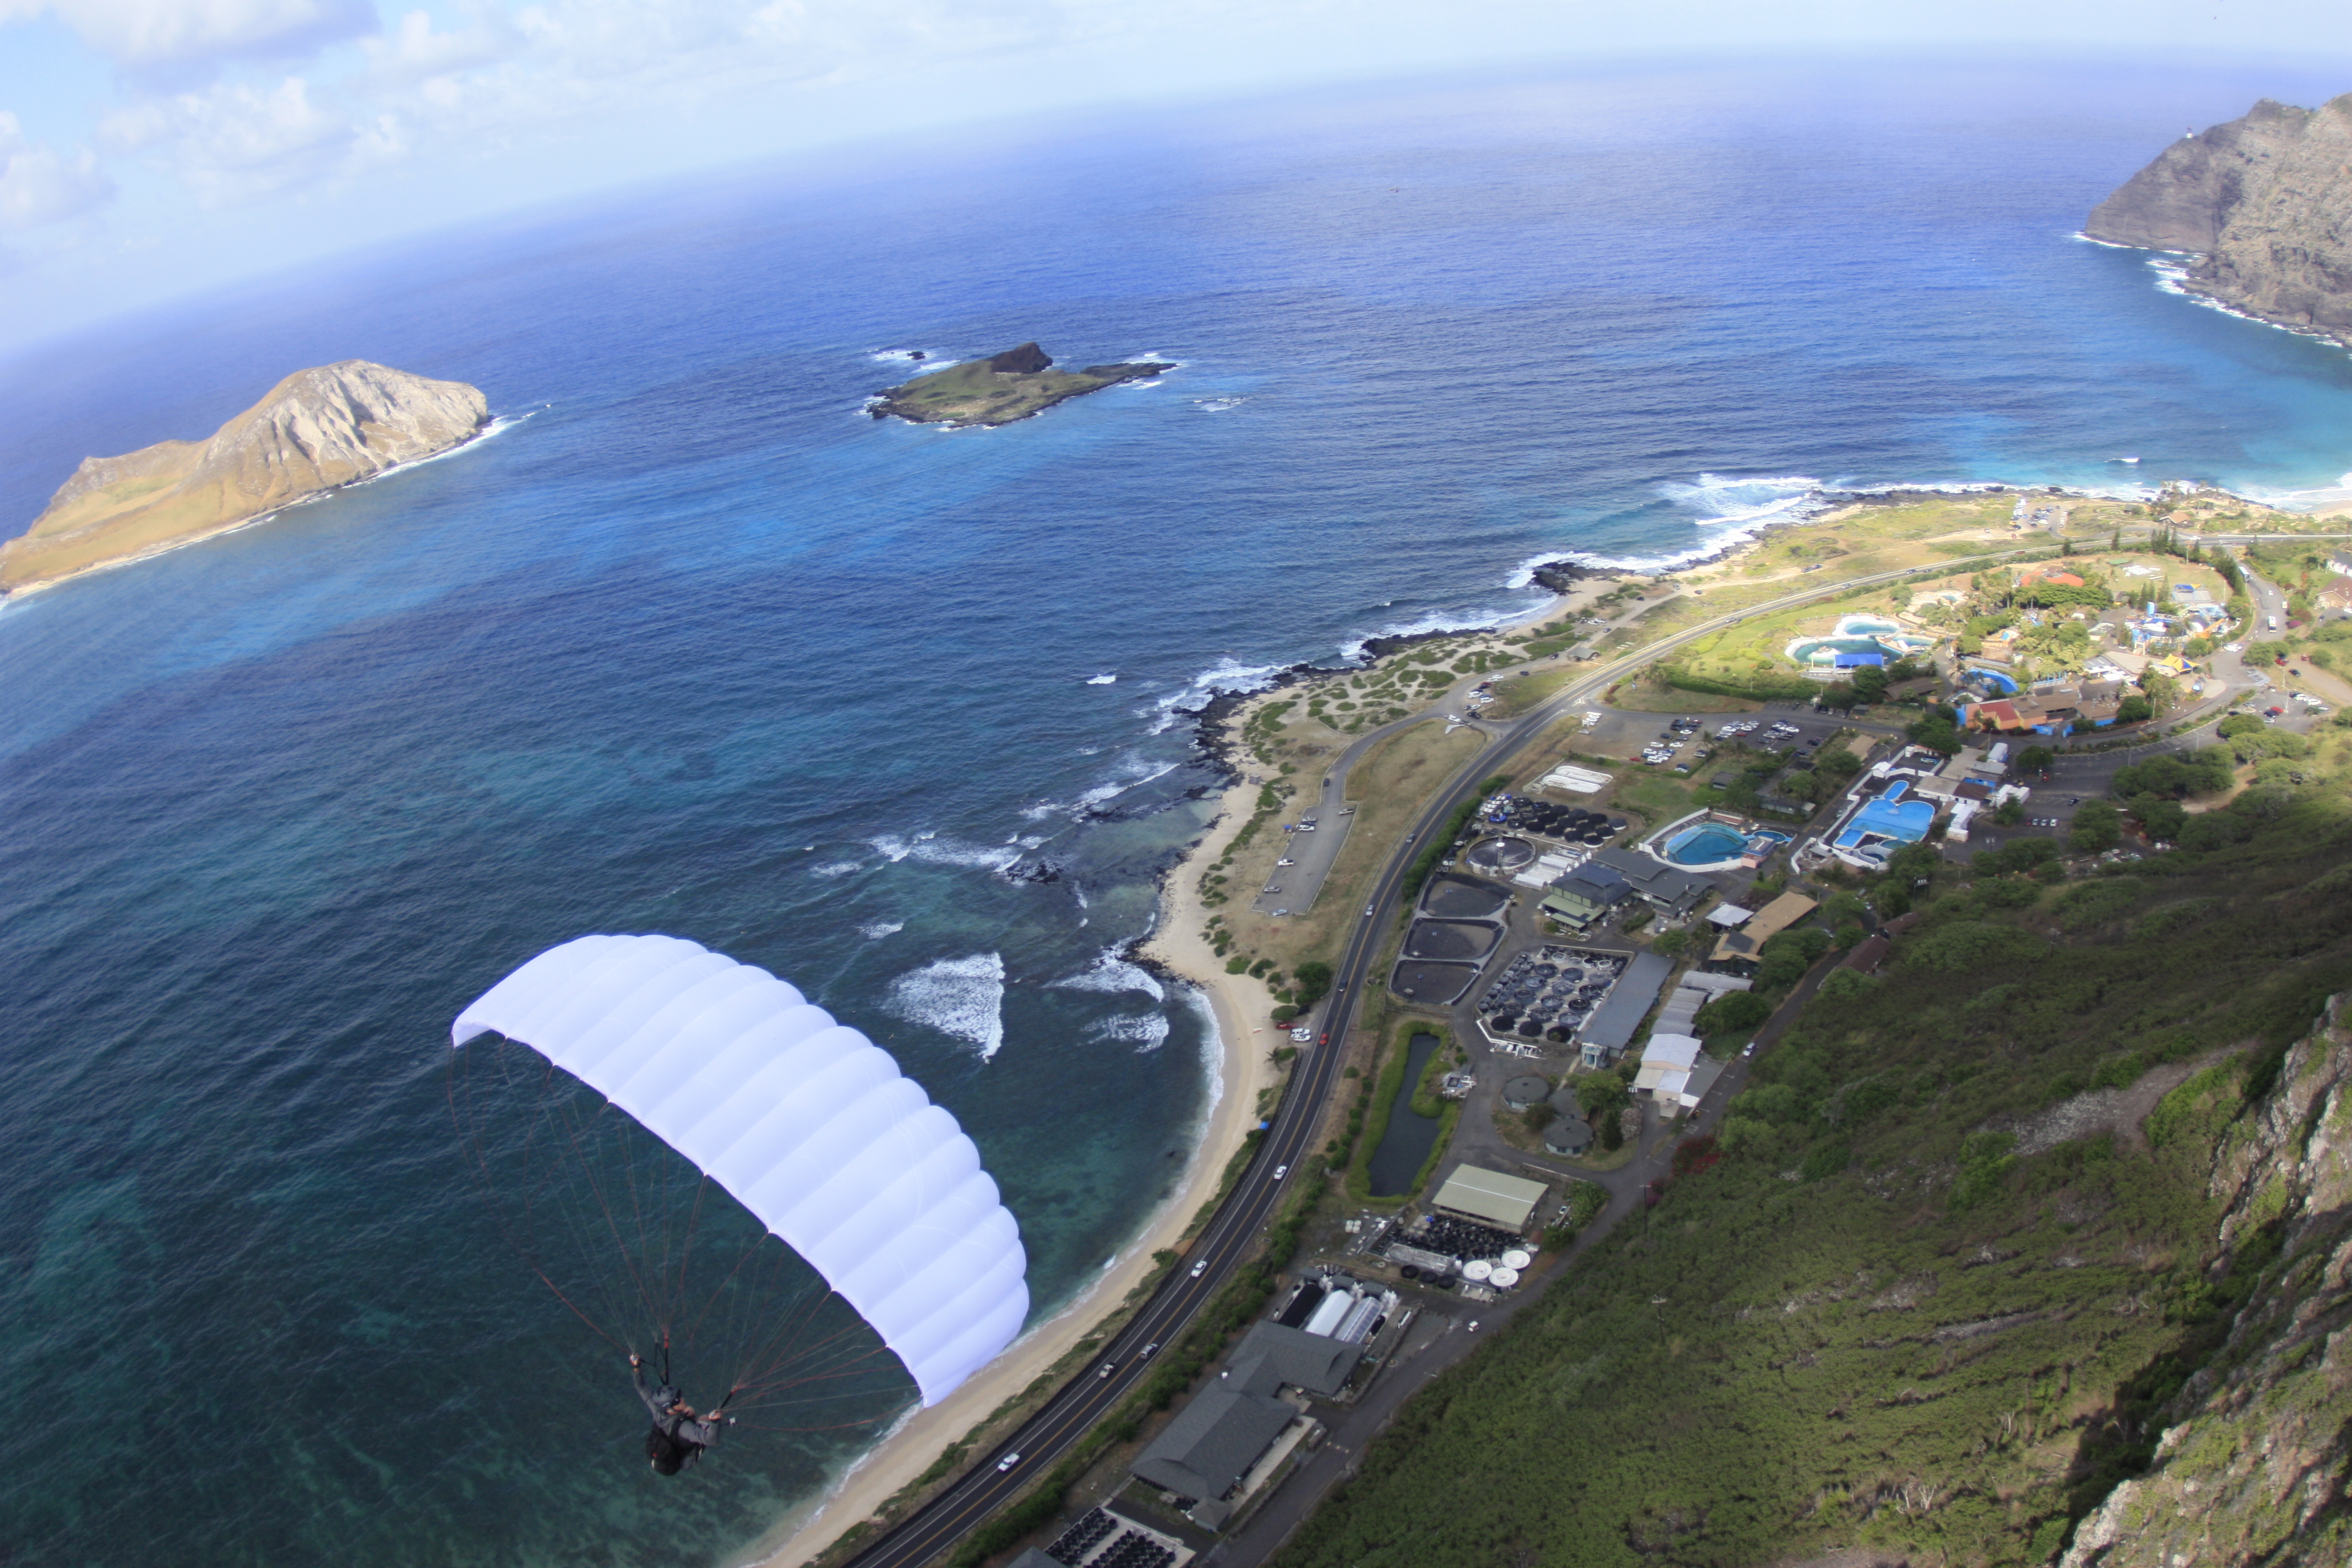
806,1122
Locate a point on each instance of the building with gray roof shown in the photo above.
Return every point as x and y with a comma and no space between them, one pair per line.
1673,892
1205,1453
1610,1027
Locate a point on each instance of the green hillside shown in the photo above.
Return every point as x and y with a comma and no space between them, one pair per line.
1958,1248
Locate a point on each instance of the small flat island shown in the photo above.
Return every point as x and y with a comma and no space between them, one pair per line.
998,390
316,431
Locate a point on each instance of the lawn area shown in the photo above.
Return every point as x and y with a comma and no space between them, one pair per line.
1388,789
1519,693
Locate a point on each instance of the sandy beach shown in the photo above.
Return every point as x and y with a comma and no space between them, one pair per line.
1241,1007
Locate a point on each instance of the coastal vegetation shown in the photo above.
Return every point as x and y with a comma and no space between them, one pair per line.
1957,1250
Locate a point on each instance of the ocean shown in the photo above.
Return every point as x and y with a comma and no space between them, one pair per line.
692,645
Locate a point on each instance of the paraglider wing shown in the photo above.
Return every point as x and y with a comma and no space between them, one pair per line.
809,1124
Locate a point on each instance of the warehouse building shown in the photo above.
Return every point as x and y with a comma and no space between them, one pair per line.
1489,1197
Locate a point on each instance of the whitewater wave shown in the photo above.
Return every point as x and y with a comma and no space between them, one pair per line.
875,931
1227,674
1478,620
2172,269
1110,678
1731,508
930,849
929,362
1147,1032
961,997
1112,972
1217,404
837,868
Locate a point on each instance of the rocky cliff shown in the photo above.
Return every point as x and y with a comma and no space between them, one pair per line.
316,430
2265,203
2250,1465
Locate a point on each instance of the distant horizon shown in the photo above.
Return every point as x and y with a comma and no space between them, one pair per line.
79,249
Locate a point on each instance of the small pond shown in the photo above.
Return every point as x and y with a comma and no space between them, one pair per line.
1410,1136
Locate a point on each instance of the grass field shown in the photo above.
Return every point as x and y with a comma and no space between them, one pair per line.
1388,789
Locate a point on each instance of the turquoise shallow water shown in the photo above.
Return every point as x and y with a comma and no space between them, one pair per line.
692,646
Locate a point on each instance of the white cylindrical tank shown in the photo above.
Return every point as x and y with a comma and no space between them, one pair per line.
1515,1258
1503,1278
1477,1268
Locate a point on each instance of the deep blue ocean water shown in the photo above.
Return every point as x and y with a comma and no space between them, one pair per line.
693,646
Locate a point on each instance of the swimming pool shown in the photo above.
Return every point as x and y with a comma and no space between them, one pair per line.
1858,634
1706,843
1890,816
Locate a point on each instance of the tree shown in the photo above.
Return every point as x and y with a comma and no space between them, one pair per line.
1870,682
1733,1012
2132,710
2159,818
1802,785
2009,812
2097,826
2161,689
1838,765
1938,732
2036,759
1314,979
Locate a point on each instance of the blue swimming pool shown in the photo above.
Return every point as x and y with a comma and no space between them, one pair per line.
1706,843
1891,816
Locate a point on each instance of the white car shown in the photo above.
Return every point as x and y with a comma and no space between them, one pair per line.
1199,1268
2233,648
1007,1462
1302,1035
1280,1172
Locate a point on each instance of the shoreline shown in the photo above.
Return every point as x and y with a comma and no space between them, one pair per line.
493,425
1175,948
1173,945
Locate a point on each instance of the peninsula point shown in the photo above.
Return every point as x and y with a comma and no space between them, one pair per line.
998,390
317,430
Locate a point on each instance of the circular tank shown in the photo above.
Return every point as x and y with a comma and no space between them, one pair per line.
1502,1278
1515,1259
1477,1268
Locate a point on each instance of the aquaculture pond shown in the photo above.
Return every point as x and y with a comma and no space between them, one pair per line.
1411,1135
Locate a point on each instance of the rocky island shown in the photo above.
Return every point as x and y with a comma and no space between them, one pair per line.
2264,202
317,429
998,390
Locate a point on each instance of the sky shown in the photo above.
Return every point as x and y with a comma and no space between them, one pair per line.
156,148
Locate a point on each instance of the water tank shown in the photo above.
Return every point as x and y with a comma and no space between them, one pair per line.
1503,1278
1515,1259
1327,1316
1477,1268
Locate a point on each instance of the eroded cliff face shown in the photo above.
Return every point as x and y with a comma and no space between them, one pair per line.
2251,1467
317,429
2265,202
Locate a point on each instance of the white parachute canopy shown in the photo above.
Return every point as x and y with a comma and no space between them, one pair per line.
808,1123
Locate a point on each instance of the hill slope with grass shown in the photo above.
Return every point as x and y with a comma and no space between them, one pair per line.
2032,1245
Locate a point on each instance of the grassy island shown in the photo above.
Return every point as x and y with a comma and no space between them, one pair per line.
998,390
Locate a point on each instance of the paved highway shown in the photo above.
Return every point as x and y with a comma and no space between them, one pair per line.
1233,1233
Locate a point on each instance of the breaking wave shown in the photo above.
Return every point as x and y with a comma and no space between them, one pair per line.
960,998
1113,972
1227,674
1145,1031
875,931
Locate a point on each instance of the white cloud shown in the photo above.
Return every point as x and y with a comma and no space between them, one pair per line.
235,144
145,35
39,184
412,53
